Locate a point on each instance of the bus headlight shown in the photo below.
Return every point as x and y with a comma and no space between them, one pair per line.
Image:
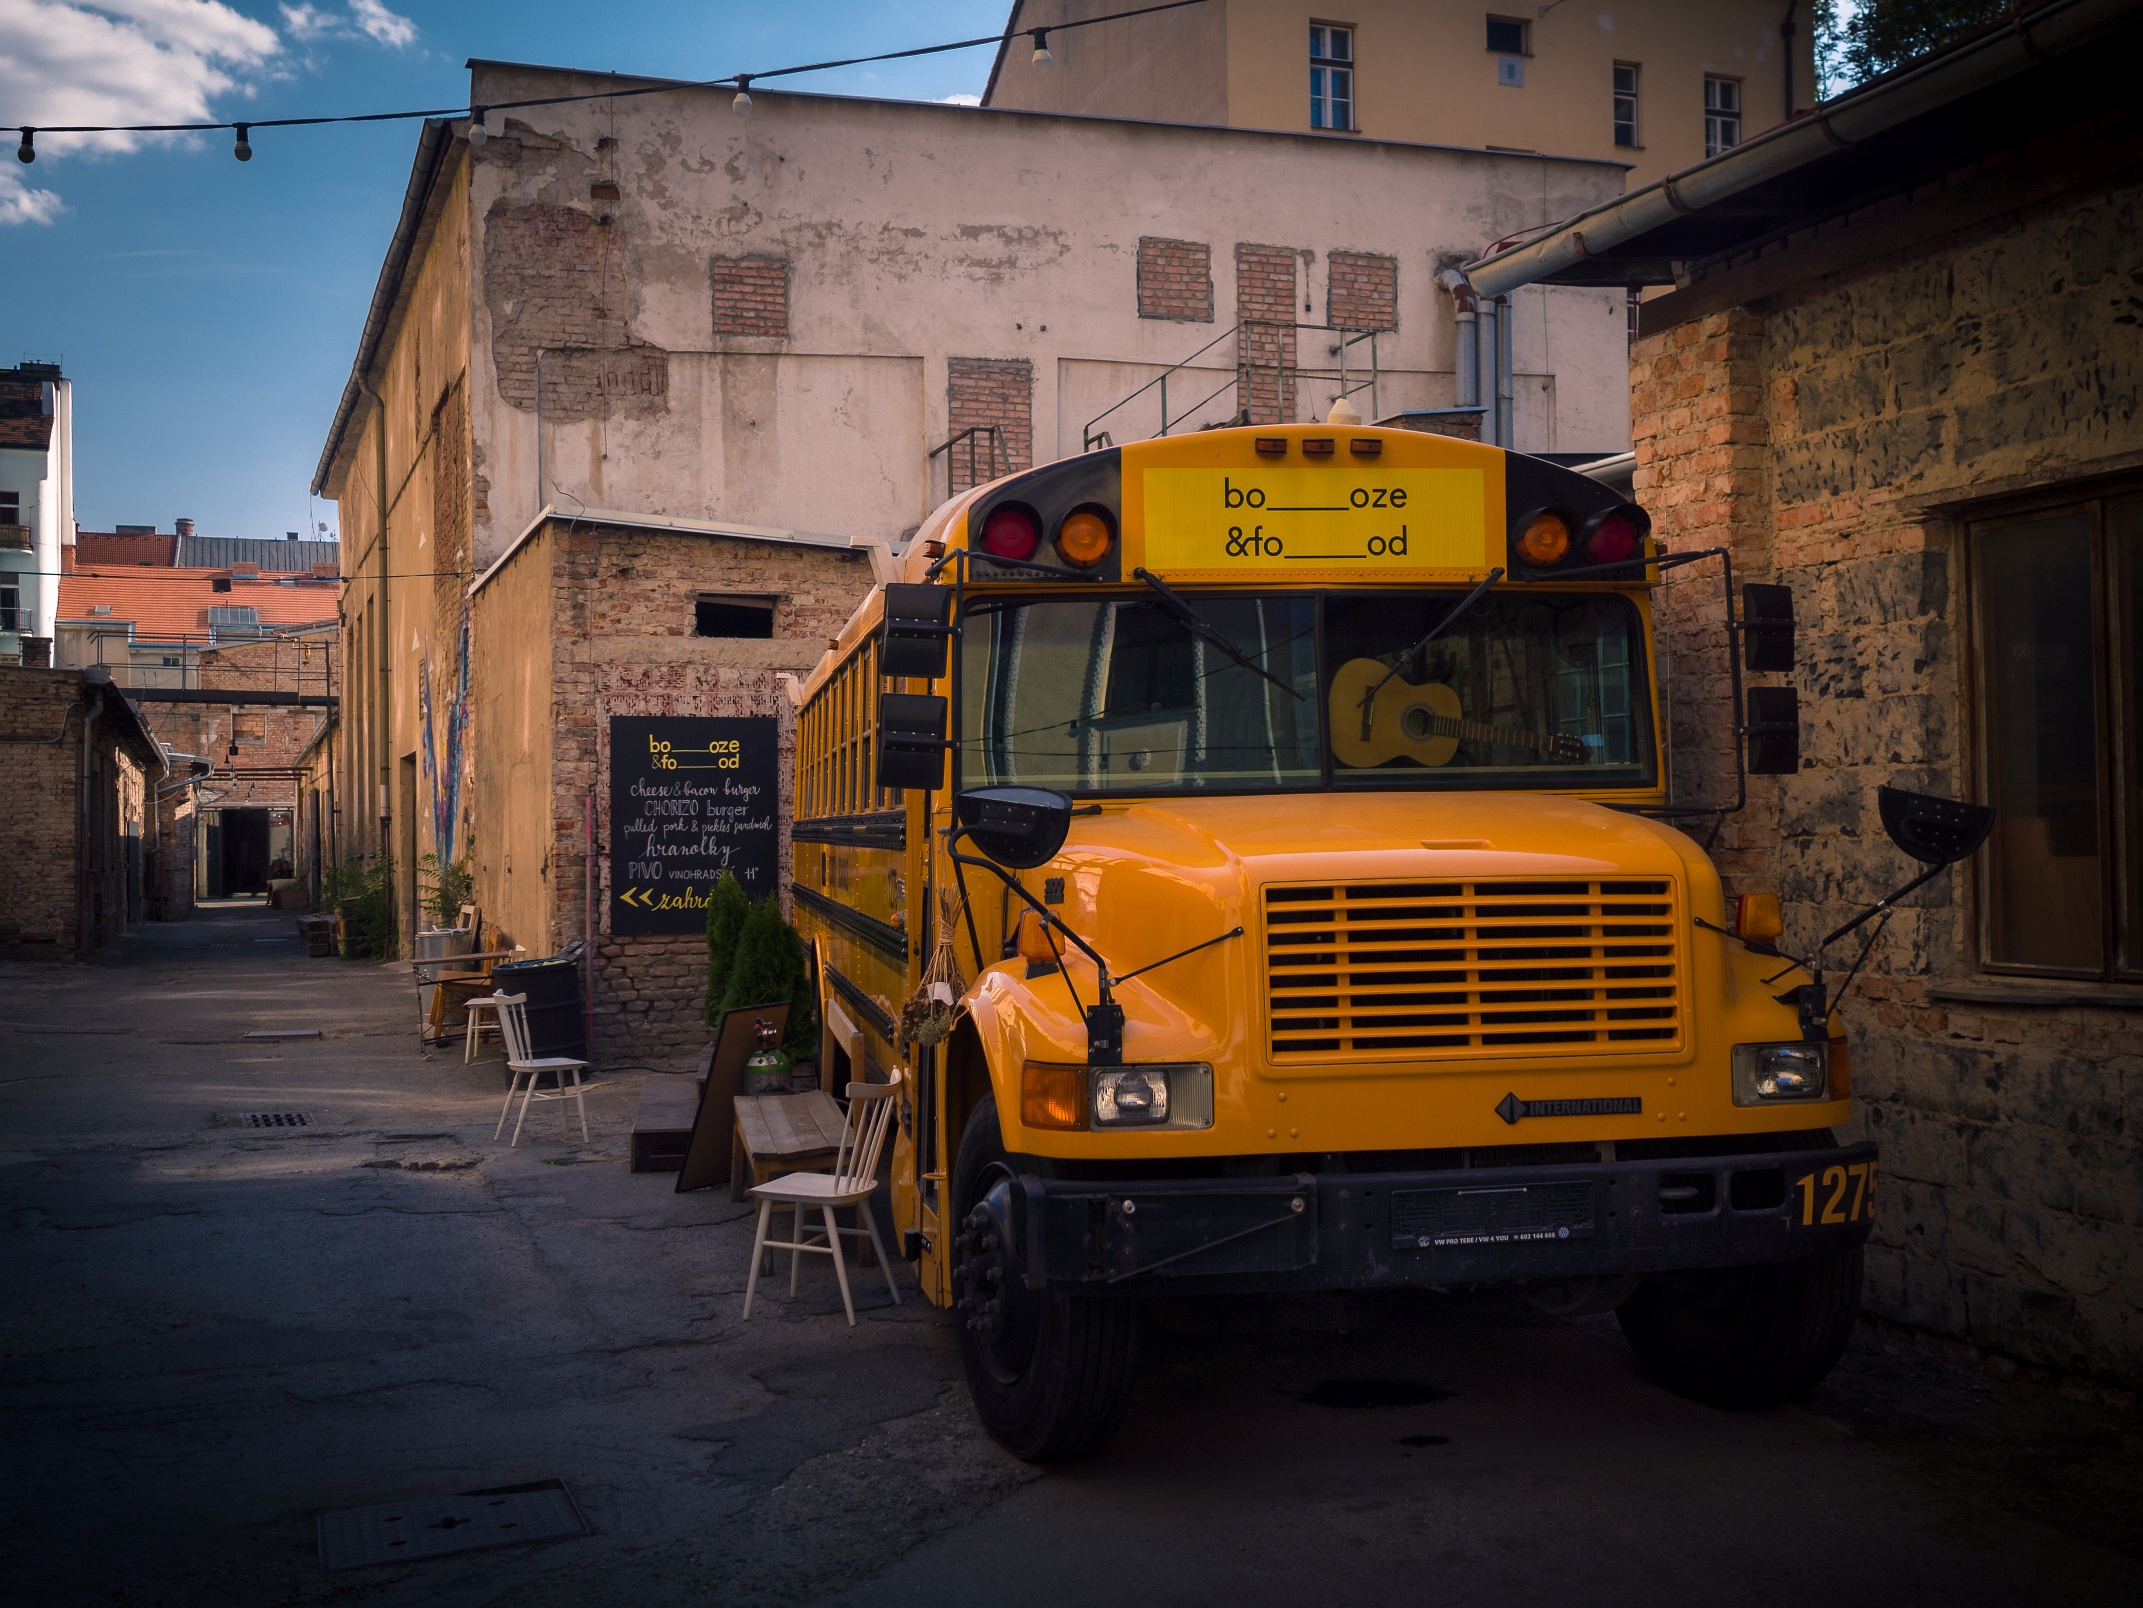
1765,1074
1153,1096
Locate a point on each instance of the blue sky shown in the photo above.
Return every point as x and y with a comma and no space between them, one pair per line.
207,310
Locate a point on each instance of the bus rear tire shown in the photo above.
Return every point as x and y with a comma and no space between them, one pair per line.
1050,1373
1747,1336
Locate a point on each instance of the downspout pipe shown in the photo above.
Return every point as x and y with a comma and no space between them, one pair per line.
83,791
2024,39
382,640
1465,315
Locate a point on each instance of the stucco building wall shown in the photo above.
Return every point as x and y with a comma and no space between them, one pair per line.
1839,436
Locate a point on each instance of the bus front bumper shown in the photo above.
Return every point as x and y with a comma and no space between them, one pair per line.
1326,1231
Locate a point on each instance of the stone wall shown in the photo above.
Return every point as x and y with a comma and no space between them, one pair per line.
623,645
1836,438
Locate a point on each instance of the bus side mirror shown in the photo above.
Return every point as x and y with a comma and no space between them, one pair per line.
911,740
1934,831
918,623
1767,626
1772,725
1020,827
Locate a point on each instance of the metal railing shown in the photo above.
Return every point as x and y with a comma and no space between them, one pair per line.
1245,381
998,454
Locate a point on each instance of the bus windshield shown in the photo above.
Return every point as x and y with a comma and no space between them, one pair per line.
1102,695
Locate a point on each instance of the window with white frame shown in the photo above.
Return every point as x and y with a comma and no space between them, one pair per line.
1331,76
1722,115
1626,104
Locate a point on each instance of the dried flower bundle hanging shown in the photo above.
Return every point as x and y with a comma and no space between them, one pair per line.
927,1017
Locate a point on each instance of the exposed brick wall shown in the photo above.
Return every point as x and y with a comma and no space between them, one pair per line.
1175,279
751,296
1362,291
1825,437
37,828
554,284
1265,290
623,645
986,391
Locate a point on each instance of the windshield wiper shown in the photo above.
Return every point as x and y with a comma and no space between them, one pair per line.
1458,611
1189,616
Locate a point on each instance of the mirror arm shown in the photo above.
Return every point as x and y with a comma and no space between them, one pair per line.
1179,954
1884,904
952,851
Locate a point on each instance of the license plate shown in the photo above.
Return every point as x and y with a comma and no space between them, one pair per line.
1425,1219
1833,1196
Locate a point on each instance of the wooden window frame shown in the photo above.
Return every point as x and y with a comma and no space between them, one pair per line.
1717,114
1329,64
1635,96
2120,829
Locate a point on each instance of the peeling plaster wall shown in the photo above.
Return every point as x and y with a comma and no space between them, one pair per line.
607,235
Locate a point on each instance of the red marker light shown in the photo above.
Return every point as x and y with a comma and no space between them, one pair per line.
1011,533
1613,540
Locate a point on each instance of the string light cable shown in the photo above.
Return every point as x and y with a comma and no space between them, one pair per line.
242,145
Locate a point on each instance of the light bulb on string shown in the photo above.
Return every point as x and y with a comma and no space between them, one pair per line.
27,150
742,105
1043,60
242,148
478,133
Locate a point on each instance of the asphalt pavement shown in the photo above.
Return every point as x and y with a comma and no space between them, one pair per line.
213,1333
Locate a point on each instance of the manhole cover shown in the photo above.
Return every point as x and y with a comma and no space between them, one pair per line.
433,1526
276,1119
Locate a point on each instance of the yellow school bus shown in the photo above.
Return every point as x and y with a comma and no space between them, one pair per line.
1298,799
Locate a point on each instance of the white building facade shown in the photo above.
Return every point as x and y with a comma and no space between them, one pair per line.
36,505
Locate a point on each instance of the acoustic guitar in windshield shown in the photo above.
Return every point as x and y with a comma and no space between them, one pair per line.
1423,723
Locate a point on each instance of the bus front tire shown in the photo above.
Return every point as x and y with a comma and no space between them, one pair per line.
1748,1336
1050,1373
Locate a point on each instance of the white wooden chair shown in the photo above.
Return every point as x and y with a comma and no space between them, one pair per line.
851,1183
513,1022
477,1028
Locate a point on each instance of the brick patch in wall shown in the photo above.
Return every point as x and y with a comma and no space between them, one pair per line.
1362,290
751,296
1265,291
982,391
1175,279
554,285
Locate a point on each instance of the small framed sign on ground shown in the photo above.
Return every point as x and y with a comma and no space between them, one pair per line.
690,797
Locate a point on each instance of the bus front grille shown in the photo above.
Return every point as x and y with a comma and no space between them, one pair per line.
1447,970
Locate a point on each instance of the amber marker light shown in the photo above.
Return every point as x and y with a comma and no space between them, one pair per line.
1084,538
1757,918
1052,1095
1546,540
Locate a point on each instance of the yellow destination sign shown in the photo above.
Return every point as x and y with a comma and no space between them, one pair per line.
1297,520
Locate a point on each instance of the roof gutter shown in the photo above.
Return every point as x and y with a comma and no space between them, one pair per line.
2052,29
432,145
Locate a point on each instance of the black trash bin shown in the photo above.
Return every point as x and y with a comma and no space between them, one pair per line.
555,1023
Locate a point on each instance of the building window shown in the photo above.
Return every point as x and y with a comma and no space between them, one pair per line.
1626,104
10,507
724,616
2061,705
10,608
236,617
1722,115
1331,76
1510,36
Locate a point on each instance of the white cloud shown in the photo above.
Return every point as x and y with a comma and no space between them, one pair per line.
19,203
961,100
367,19
382,24
120,61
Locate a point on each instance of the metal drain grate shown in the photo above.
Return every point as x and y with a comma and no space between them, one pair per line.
433,1526
276,1119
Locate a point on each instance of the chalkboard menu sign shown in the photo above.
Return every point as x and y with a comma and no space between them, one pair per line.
690,797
